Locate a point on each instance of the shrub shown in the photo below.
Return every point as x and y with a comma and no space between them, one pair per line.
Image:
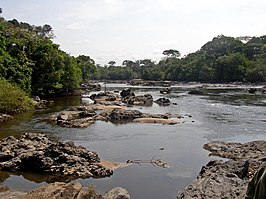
13,99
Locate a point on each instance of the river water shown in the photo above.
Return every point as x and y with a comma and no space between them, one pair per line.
229,115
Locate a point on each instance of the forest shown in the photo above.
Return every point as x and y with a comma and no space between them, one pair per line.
222,60
30,60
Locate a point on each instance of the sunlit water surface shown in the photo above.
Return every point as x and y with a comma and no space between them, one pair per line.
219,115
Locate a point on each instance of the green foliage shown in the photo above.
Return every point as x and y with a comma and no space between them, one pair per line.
224,59
172,53
30,59
13,99
87,66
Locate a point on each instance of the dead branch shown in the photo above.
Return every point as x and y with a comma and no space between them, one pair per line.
153,161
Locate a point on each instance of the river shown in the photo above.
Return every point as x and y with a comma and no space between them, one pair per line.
221,114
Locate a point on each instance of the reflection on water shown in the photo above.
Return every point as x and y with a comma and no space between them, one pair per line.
219,115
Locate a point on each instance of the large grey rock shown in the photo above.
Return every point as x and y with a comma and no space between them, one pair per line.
227,179
220,179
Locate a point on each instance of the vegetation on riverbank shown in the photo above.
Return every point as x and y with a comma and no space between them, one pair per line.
13,99
32,61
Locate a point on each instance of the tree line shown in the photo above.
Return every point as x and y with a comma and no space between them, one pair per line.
222,60
31,60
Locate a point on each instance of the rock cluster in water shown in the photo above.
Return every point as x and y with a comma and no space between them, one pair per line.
111,107
227,179
36,152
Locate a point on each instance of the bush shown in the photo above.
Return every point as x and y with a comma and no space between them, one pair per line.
13,99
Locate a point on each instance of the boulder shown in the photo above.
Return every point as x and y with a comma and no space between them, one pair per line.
163,101
141,100
126,92
117,193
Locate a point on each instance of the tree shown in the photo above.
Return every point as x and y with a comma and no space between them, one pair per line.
128,63
172,53
111,63
222,45
231,67
87,66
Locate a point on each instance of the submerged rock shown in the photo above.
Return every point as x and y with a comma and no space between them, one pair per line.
196,92
155,121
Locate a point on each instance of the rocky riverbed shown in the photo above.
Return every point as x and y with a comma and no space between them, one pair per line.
227,178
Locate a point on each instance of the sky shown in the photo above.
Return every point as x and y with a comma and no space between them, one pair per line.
118,30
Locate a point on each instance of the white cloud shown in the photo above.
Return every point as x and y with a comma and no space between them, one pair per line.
75,26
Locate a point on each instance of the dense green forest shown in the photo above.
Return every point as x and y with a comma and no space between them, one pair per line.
222,60
30,60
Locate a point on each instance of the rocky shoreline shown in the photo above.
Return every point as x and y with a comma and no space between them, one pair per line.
36,152
227,178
